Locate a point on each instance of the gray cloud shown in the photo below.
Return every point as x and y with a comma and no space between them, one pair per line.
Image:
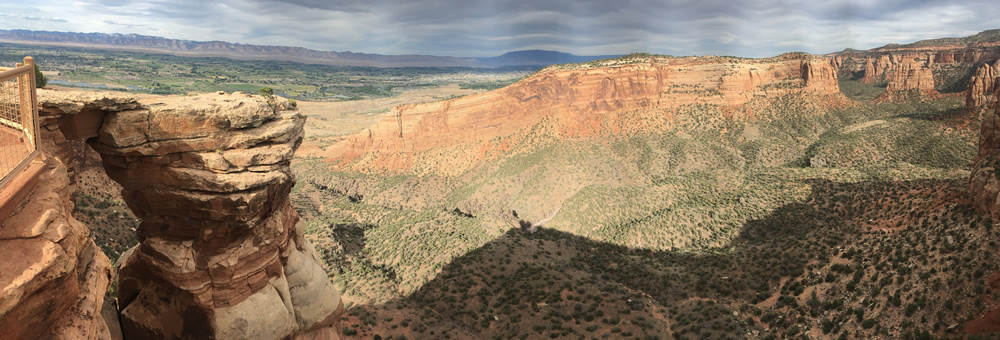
486,28
335,5
31,17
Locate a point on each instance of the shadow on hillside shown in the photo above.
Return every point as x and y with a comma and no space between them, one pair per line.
492,290
942,114
960,82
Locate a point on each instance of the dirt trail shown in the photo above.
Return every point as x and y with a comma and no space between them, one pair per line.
534,226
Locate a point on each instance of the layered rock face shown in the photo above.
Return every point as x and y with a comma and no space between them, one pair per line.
877,66
984,184
52,277
585,96
912,68
914,75
221,254
982,85
902,72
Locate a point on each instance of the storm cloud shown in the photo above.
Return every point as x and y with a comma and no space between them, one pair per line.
489,28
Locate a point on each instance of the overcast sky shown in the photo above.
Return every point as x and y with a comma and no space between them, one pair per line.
489,28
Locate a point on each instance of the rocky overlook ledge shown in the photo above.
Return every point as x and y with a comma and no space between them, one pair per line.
222,253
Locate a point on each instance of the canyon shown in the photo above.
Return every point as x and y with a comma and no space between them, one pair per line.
665,166
589,100
928,67
642,94
794,196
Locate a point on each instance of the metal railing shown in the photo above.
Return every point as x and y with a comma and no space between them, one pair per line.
18,119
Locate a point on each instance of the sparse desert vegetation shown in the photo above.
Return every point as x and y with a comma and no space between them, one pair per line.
792,215
716,229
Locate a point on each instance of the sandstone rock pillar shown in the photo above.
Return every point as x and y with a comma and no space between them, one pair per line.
983,83
220,253
984,181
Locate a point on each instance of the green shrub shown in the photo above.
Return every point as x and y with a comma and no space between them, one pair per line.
268,94
40,79
868,323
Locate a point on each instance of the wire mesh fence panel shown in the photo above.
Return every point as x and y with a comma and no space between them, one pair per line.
17,122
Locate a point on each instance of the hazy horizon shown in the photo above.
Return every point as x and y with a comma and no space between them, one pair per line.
484,29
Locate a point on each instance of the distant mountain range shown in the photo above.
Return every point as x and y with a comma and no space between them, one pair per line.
538,58
152,44
985,38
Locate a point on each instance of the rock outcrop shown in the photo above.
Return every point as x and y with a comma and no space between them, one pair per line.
982,85
221,252
582,97
938,64
876,68
910,74
52,277
984,184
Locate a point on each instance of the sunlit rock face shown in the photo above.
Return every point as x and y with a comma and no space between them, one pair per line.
982,85
922,68
586,98
221,253
910,75
52,275
984,184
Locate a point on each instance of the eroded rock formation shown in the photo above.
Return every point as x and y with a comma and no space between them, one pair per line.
52,276
876,67
902,72
984,184
221,254
583,98
982,85
910,74
926,66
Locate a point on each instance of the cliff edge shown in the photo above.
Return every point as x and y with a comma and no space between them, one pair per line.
592,99
53,277
222,254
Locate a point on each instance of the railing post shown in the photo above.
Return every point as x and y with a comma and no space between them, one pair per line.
28,60
24,97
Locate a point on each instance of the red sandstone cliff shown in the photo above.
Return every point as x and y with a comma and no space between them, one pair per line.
52,277
877,66
582,98
221,252
984,187
922,66
982,85
910,74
